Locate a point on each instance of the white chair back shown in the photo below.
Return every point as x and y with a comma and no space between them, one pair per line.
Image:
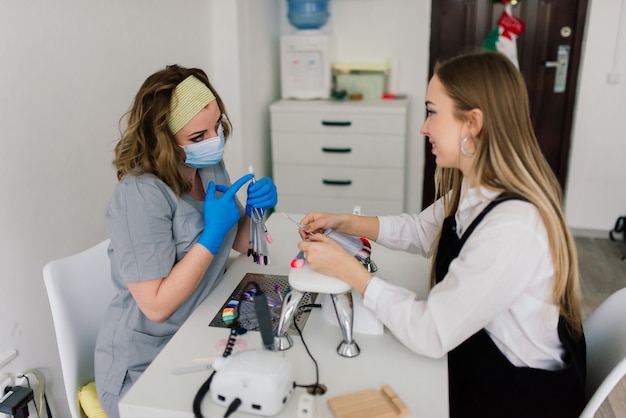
605,332
79,290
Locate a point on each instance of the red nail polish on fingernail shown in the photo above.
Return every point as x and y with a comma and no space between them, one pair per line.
297,263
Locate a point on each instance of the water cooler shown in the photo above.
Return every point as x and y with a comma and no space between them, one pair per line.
305,51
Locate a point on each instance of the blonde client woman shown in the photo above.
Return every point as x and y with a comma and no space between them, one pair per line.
505,300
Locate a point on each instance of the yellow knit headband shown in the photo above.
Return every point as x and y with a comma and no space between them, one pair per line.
188,98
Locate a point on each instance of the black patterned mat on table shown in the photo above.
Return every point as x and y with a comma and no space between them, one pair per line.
275,287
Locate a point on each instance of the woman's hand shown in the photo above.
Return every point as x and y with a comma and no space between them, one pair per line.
347,223
324,255
220,213
314,222
262,195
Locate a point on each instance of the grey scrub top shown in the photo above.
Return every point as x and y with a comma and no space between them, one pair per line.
151,229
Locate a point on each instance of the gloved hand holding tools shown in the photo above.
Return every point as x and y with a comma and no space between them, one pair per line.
220,213
261,195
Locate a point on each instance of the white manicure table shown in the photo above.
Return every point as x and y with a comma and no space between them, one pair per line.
167,388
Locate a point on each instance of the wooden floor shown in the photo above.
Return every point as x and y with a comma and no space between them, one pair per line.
603,272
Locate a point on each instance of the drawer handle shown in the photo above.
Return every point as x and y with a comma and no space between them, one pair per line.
332,123
337,182
337,150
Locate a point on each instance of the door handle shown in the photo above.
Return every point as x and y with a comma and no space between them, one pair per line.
561,64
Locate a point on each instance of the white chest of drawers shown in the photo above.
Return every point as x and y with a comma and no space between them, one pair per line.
332,156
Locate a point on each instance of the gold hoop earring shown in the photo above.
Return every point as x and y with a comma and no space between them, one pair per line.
463,150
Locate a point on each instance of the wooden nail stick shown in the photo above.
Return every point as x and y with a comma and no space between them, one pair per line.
369,403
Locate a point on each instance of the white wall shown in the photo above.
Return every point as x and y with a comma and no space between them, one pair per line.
69,69
244,69
375,31
246,62
596,192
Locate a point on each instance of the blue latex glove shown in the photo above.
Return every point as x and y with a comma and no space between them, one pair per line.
261,194
220,213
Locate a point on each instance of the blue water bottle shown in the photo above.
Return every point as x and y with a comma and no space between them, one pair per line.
308,14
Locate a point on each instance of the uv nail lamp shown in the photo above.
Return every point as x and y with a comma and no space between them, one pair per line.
303,280
263,380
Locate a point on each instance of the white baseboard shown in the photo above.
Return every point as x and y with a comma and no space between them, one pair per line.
590,233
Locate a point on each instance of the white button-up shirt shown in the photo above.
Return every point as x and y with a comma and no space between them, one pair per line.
502,280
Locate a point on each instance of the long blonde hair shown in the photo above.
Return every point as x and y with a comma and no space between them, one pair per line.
508,158
147,145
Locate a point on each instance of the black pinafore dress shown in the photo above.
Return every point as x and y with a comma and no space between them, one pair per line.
481,380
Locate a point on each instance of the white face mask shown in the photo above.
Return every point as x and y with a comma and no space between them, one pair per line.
207,152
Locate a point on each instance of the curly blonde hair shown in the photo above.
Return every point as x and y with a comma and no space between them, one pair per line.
147,145
508,158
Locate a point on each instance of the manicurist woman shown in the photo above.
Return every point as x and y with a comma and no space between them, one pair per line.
172,221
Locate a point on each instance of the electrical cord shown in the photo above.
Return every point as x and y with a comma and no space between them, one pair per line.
232,407
204,389
232,340
41,388
45,398
316,388
28,384
197,400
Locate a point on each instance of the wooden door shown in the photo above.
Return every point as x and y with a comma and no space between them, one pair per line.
551,25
